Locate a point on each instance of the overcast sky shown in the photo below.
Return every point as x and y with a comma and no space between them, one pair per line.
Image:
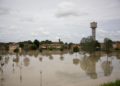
68,20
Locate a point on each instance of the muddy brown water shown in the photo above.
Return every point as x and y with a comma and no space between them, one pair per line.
58,69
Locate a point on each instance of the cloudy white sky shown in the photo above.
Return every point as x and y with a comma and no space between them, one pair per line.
68,20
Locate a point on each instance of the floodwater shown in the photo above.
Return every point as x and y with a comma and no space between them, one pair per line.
58,69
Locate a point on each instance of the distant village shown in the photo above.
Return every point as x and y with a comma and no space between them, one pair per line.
36,45
47,45
58,45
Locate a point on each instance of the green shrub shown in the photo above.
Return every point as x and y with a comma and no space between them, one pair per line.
76,49
40,50
116,83
33,47
50,48
36,43
0,57
62,48
7,48
16,50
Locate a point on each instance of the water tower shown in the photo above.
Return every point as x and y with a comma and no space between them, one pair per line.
93,25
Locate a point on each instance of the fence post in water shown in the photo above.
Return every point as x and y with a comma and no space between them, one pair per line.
40,78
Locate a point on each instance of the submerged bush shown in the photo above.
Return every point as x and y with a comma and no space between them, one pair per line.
16,50
33,47
89,44
0,57
76,49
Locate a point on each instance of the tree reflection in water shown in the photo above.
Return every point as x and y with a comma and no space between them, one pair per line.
36,53
26,61
2,77
88,64
1,70
107,68
51,57
107,65
6,60
61,57
15,60
117,54
76,61
40,59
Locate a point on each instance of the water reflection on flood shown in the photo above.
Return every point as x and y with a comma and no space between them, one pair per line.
58,68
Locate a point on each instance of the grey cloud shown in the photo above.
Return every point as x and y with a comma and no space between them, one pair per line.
70,13
27,19
66,9
69,18
4,11
66,14
114,35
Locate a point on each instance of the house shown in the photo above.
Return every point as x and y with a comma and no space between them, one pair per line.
53,45
13,46
43,46
116,45
26,45
56,45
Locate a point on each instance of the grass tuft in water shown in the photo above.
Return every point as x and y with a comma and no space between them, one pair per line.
116,83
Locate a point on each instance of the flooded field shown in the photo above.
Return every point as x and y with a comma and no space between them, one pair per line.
58,69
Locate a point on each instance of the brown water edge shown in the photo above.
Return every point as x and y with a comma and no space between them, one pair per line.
59,69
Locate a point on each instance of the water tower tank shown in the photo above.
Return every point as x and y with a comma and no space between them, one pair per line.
93,25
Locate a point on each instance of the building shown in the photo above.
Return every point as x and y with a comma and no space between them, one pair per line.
13,46
53,45
116,45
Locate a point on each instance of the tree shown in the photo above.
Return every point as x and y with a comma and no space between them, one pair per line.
21,45
108,45
76,49
46,42
97,45
29,42
36,43
88,44
33,47
16,50
0,58
70,45
6,47
65,45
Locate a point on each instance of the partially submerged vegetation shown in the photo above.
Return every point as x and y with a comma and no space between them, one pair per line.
90,45
0,57
108,45
87,45
115,83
